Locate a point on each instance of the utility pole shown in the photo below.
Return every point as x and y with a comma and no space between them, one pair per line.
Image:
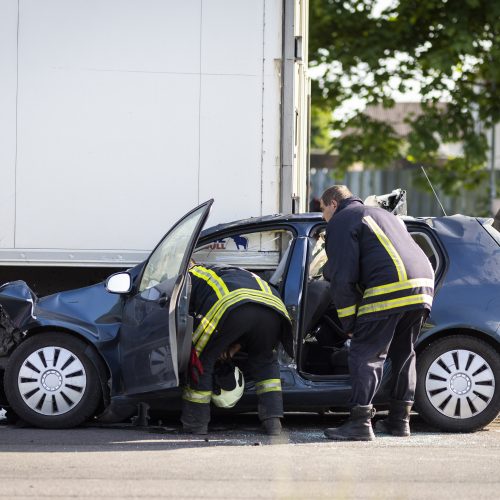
493,187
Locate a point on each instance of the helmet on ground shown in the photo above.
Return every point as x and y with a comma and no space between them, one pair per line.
229,385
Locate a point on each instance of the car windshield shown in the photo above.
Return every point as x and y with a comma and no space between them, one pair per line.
491,226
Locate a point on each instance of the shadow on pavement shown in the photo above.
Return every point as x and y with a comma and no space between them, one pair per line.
231,430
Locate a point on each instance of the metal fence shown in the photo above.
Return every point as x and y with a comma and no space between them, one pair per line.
420,203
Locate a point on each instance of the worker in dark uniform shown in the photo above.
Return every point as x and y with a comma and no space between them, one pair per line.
232,305
382,285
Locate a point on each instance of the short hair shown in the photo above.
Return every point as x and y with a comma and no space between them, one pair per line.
337,193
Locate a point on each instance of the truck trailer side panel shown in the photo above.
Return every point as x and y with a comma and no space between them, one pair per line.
118,116
8,91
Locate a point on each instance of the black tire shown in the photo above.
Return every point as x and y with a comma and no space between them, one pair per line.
60,392
459,367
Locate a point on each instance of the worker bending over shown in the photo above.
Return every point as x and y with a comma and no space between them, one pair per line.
230,305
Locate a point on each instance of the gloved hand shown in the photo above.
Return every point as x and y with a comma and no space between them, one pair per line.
230,352
195,366
223,377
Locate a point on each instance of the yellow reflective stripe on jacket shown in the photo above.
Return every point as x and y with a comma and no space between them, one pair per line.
386,243
268,385
208,321
205,324
202,334
346,311
398,285
393,303
216,283
195,396
263,285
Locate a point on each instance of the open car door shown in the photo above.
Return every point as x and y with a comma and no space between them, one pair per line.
155,339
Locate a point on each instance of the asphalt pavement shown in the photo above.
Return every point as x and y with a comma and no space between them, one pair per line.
236,461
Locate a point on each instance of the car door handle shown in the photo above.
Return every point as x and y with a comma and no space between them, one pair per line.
163,300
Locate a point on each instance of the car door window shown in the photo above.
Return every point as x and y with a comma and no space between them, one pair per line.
166,260
317,258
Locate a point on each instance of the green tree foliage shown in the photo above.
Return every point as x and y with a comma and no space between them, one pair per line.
321,123
449,50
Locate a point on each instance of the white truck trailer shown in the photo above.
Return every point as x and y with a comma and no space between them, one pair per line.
118,116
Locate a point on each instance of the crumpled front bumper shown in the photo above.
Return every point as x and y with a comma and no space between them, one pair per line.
17,311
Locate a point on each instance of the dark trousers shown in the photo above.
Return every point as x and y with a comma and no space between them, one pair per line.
375,339
258,329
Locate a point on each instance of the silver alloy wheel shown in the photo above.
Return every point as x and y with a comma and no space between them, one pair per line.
460,384
52,380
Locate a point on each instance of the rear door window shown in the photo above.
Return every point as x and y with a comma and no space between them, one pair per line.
425,242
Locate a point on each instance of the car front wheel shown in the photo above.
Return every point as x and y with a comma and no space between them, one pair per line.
50,382
458,379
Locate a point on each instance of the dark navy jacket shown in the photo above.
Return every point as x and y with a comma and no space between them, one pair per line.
374,266
217,290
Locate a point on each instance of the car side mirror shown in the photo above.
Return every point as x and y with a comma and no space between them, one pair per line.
119,283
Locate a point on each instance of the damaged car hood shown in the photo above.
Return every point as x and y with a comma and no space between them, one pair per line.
17,304
91,311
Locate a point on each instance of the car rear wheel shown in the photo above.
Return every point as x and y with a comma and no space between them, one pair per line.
458,384
50,382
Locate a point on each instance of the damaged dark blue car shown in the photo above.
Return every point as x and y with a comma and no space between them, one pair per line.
99,352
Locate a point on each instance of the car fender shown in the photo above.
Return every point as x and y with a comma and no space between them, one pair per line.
431,332
22,315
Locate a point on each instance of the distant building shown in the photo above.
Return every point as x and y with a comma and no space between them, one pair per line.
365,181
397,117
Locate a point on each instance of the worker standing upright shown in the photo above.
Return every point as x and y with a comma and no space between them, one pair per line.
230,305
382,285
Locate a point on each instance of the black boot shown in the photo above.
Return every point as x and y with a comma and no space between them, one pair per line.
272,426
357,428
195,417
270,408
398,421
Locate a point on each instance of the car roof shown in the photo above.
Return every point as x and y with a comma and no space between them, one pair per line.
265,219
309,217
